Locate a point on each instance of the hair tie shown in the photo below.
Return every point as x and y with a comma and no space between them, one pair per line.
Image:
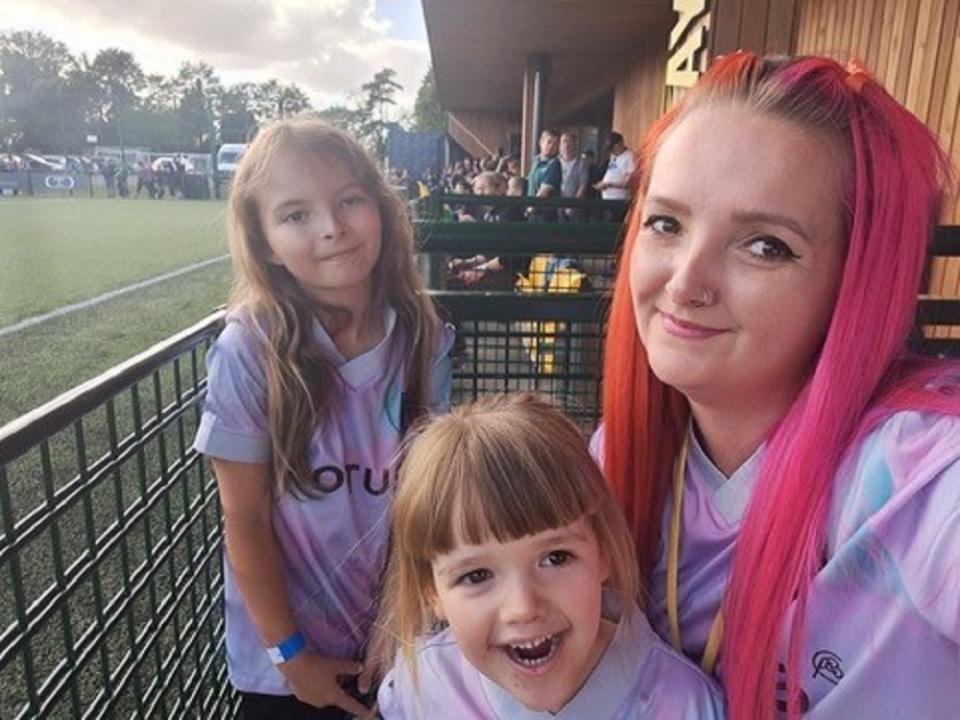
857,75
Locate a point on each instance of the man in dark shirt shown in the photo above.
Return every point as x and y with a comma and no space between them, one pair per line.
546,175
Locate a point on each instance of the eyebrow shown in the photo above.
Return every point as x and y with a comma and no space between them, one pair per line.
773,219
743,216
562,537
674,205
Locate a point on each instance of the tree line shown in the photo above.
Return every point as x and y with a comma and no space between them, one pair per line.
52,100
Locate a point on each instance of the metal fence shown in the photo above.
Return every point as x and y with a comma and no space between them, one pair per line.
110,553
110,557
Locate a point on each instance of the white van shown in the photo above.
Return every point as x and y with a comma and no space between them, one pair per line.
228,157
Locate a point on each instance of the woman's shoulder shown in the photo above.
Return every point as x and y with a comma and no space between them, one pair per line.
906,468
911,445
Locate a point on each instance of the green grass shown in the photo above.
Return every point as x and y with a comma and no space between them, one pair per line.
40,362
58,251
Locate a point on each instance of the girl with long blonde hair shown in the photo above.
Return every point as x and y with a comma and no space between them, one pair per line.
331,348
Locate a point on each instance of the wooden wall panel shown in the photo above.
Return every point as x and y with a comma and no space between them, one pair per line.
913,48
639,93
759,25
481,133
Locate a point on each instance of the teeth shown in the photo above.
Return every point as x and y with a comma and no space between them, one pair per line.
531,644
535,652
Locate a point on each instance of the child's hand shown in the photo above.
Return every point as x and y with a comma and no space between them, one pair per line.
315,680
370,675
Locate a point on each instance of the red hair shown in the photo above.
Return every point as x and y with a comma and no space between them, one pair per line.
862,374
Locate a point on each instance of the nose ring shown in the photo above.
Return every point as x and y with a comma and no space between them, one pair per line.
700,298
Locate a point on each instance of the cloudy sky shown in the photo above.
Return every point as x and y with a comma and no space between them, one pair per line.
328,47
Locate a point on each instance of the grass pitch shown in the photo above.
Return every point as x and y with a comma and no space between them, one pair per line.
59,251
55,252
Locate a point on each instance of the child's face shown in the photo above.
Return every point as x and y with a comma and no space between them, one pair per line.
526,613
321,225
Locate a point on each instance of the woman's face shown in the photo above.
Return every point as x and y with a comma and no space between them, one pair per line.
736,267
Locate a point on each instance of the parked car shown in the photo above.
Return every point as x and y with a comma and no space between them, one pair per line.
228,157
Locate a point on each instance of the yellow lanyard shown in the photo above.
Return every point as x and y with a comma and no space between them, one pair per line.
709,660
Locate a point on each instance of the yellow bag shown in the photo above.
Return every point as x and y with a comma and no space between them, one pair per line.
549,274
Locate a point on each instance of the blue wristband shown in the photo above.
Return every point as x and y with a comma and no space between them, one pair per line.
288,649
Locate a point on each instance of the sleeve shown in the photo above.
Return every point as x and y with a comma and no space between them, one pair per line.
919,522
929,563
629,164
234,423
441,371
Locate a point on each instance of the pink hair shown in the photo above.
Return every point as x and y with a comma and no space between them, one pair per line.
896,172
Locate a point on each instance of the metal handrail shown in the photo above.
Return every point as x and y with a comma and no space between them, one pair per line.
18,436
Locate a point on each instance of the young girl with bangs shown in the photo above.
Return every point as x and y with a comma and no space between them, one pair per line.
330,350
504,532
789,468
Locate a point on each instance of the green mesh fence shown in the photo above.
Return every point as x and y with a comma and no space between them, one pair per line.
110,553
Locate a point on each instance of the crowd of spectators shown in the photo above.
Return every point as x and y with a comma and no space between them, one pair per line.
559,169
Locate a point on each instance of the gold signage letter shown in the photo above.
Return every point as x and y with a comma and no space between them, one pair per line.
688,41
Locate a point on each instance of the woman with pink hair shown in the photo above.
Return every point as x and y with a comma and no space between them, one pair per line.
790,471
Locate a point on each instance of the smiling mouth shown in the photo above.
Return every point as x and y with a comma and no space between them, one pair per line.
339,255
534,653
686,329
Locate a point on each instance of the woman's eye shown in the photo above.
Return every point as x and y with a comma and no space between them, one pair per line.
768,247
474,577
555,558
663,224
295,217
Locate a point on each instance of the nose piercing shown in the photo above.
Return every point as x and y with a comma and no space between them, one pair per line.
700,298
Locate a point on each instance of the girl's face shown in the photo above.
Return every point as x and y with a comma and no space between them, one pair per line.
321,225
736,267
526,613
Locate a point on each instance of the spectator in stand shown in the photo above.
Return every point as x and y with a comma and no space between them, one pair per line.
491,183
479,271
576,177
461,186
516,186
545,176
615,184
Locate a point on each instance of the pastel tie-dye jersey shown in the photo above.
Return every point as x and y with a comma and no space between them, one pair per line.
883,626
638,678
332,546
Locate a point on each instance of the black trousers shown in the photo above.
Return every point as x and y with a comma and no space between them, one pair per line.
254,706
